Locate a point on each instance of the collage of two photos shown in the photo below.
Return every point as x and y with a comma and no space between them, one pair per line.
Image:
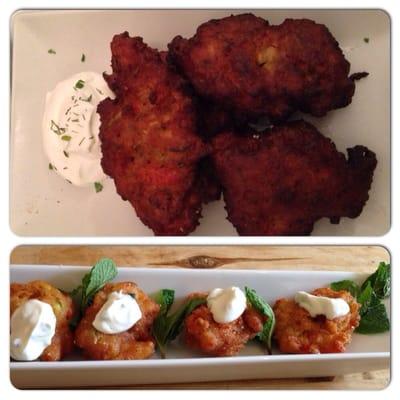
142,124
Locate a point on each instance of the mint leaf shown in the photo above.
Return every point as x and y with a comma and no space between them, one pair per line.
348,285
167,327
103,272
380,281
374,319
373,315
165,298
265,336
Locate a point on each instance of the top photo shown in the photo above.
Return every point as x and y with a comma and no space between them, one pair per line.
200,122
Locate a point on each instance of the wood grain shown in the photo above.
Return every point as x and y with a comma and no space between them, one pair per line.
330,258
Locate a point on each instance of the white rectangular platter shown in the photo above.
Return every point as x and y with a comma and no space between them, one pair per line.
365,353
42,204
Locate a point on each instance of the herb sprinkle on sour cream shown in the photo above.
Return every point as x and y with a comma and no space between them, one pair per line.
71,127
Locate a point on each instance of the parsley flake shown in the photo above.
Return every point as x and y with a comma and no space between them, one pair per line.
51,51
83,57
79,84
98,187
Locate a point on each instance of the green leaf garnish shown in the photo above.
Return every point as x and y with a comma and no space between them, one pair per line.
79,84
348,285
98,187
51,166
366,40
101,273
373,315
380,281
66,138
83,58
51,51
65,154
167,327
265,336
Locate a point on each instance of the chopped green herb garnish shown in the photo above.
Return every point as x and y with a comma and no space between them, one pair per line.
66,154
98,187
89,99
67,138
51,51
51,166
75,120
99,91
82,140
83,58
366,40
56,128
79,84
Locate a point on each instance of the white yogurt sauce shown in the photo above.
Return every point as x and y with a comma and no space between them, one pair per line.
71,128
320,305
33,326
119,313
226,305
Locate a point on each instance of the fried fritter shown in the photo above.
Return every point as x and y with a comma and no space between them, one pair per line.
202,333
62,342
257,69
297,332
135,343
149,138
282,181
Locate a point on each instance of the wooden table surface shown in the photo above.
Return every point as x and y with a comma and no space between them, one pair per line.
348,258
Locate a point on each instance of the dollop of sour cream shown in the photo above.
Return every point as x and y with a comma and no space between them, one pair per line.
33,325
226,305
119,313
71,127
320,305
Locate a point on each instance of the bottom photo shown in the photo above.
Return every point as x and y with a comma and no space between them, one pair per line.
200,317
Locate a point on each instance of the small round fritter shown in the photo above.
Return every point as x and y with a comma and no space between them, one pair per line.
258,69
297,332
62,342
202,333
135,343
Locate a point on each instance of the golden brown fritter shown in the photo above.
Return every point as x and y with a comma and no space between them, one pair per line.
202,333
282,181
257,69
149,138
62,342
297,332
135,343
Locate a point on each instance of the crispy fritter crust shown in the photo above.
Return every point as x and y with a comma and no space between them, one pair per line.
297,332
149,138
202,333
63,307
257,69
282,181
135,343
